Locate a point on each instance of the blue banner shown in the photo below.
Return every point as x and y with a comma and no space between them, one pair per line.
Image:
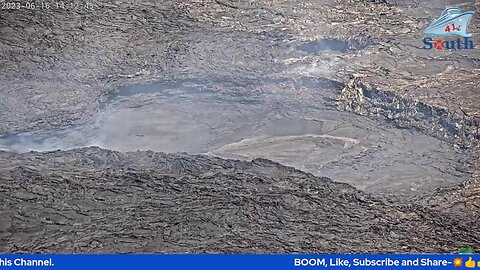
232,262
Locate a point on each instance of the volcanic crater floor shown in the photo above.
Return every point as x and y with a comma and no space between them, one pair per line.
263,118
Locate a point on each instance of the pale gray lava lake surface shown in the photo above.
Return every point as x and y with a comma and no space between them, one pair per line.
293,121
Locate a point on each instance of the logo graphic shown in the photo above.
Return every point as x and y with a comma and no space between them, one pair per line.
452,22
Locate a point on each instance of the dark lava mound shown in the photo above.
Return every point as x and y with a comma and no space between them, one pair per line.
94,200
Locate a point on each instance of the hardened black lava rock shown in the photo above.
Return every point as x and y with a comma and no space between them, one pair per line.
99,201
